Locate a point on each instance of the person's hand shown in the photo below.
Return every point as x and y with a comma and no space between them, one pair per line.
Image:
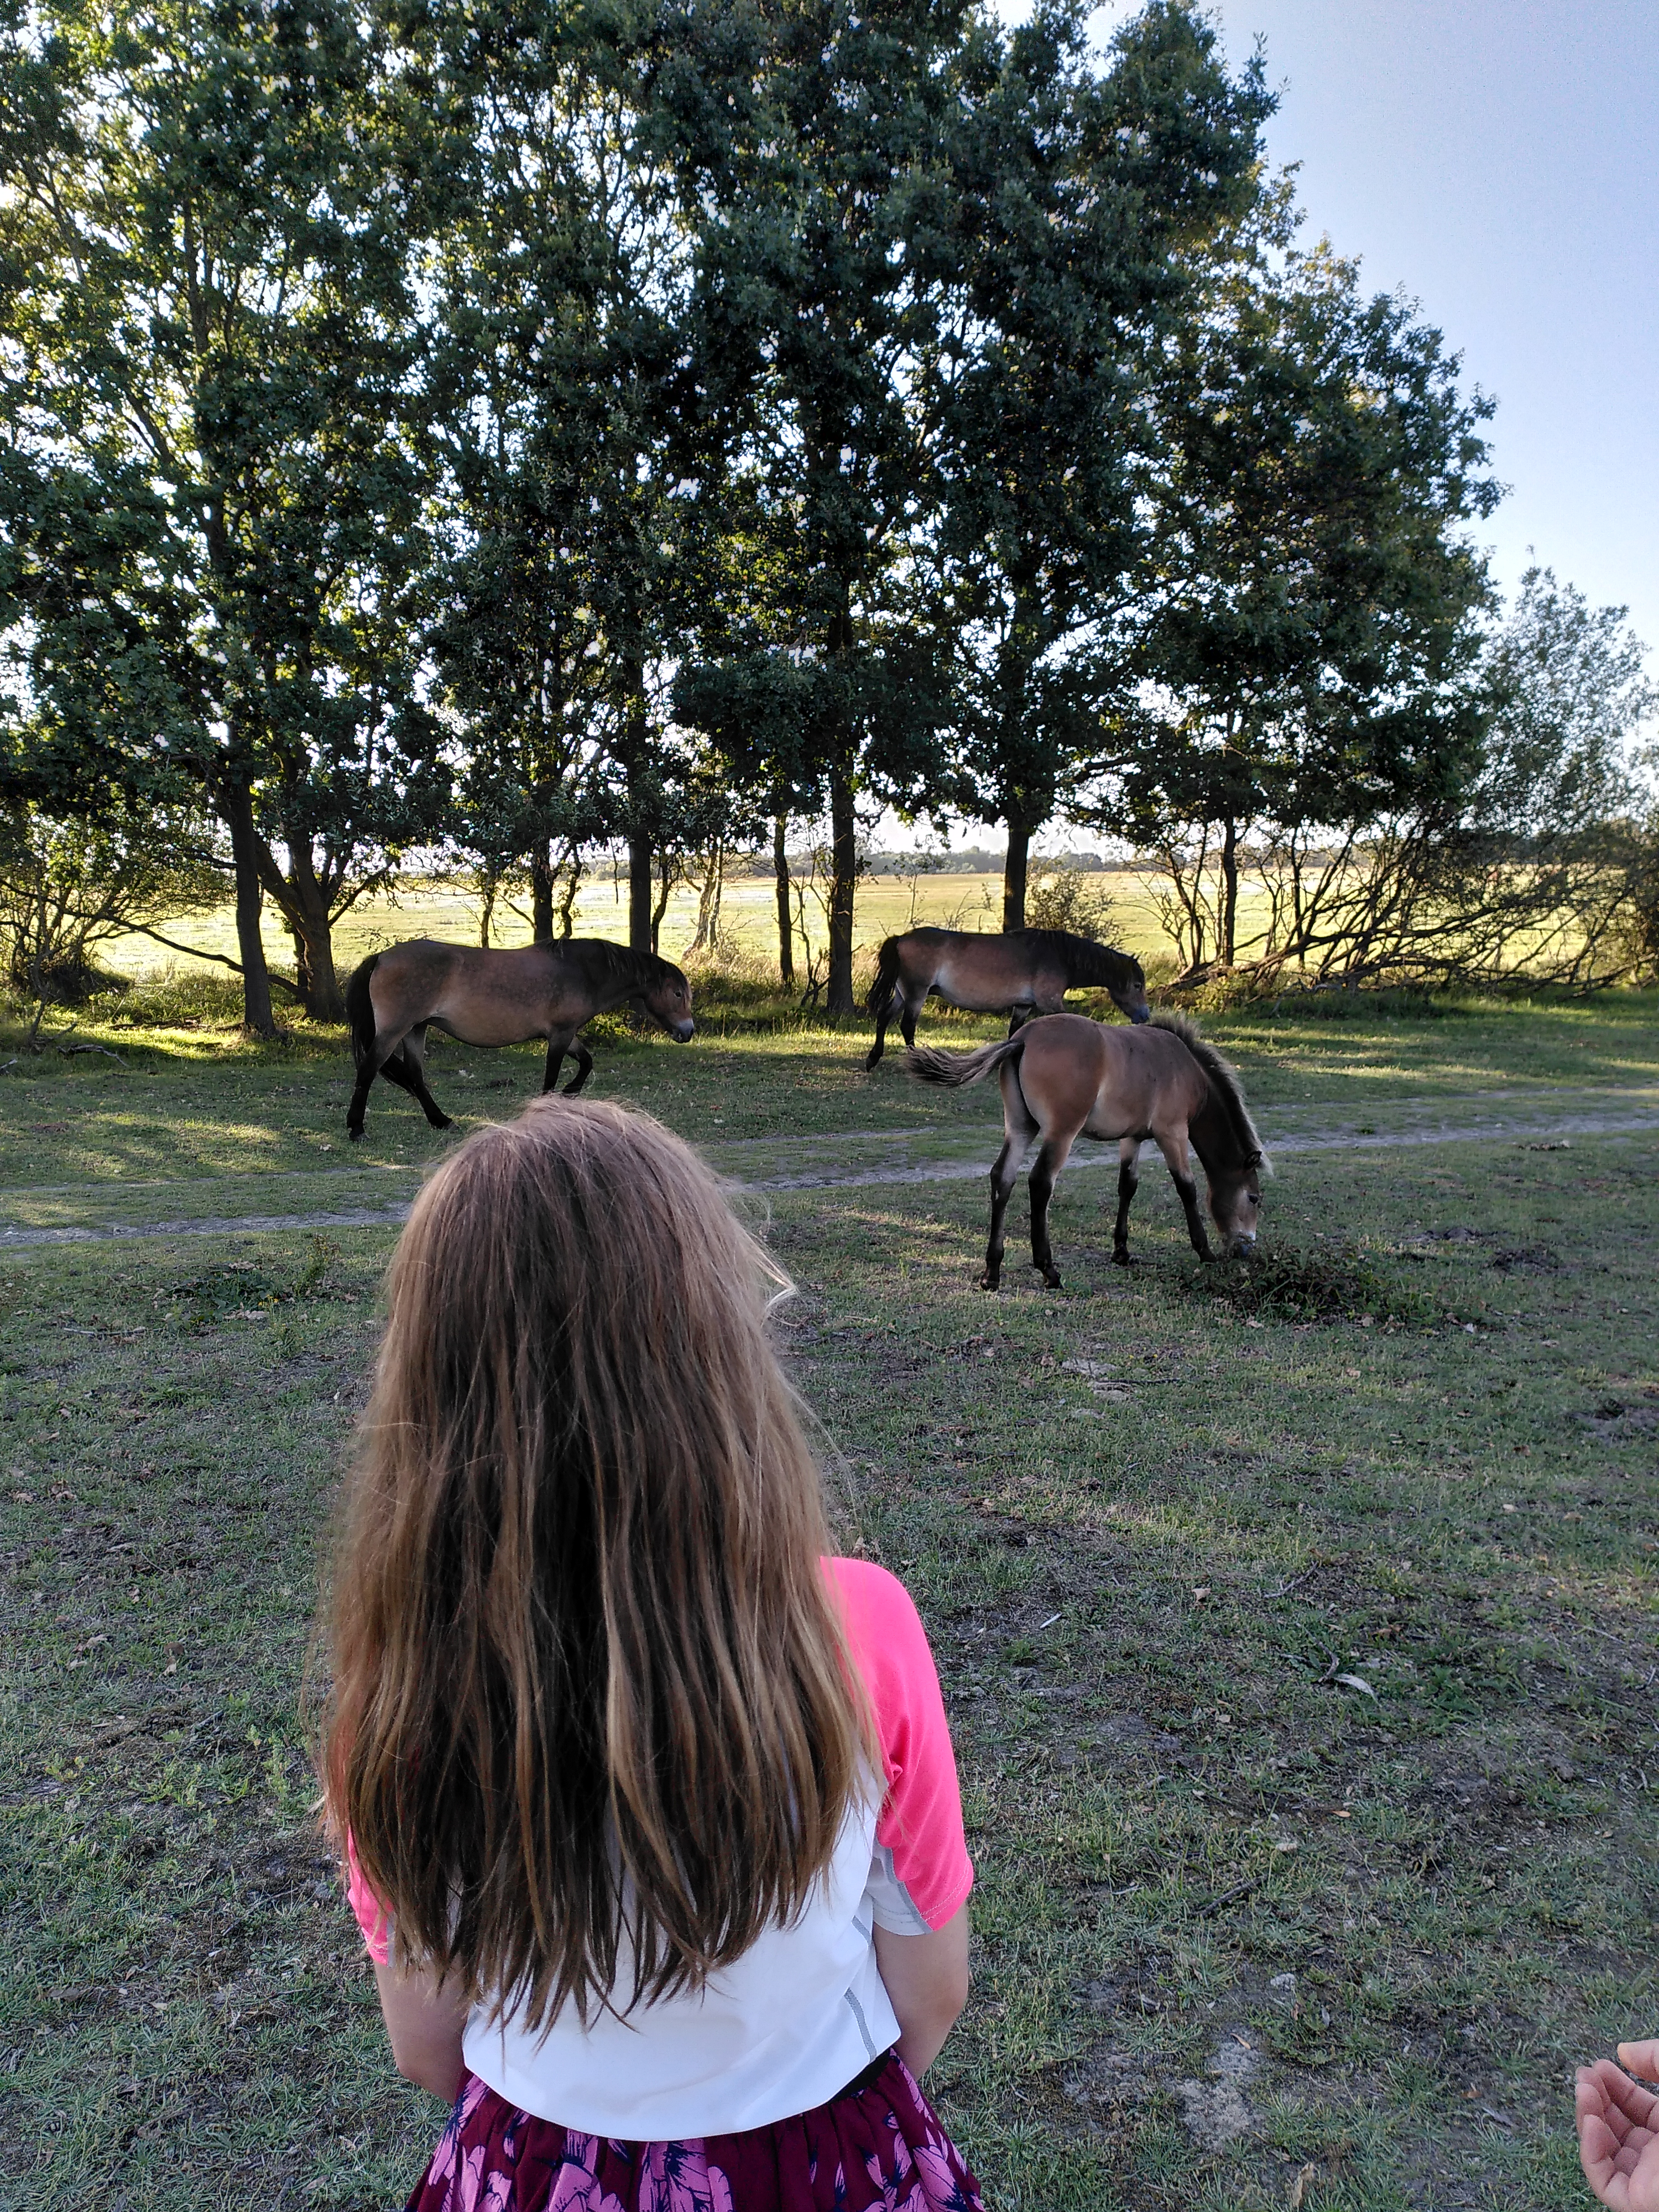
1618,2129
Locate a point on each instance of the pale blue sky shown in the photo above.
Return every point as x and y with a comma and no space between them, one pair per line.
1498,161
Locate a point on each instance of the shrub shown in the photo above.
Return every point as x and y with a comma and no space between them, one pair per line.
68,886
1064,897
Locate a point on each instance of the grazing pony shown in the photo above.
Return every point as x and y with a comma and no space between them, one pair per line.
1063,1076
1020,973
495,997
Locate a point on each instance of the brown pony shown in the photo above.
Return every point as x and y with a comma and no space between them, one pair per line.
1063,1076
495,997
1020,973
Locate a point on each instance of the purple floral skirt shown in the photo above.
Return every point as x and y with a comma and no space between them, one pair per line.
878,2144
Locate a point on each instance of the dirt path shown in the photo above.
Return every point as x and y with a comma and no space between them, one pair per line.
867,1158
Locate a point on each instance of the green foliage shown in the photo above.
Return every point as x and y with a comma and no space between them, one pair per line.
1090,200
211,487
67,887
528,436
1071,899
1309,648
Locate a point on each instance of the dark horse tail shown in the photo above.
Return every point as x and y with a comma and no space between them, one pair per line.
956,1070
360,1009
880,1000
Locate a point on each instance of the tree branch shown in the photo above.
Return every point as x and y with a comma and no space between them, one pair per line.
224,959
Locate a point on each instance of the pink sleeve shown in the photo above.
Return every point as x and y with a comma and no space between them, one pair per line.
923,1873
372,1916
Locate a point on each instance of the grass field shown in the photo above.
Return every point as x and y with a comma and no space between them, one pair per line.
748,918
1246,1936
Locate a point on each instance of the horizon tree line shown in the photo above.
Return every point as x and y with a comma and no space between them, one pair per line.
634,431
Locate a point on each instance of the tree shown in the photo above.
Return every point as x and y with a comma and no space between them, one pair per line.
1308,650
561,286
809,140
1081,205
211,487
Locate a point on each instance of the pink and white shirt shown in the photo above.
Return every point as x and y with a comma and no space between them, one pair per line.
803,2011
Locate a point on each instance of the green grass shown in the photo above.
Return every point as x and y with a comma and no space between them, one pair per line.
1148,1525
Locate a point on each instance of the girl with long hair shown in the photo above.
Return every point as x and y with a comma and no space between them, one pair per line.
651,1815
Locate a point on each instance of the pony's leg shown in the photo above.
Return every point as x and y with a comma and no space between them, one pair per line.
1045,1173
374,1059
1018,1129
412,1076
1127,1153
909,1009
584,1061
1003,1177
1174,1150
558,1043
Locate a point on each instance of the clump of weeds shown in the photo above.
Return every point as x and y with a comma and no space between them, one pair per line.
1339,1282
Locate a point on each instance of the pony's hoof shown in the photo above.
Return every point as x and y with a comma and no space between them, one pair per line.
987,1281
356,1135
441,1120
1051,1281
1121,1256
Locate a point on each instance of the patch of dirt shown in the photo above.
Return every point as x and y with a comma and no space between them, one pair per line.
1615,1419
1527,1259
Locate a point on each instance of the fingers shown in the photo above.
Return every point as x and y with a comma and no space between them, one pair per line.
1637,2103
1597,2153
1642,2058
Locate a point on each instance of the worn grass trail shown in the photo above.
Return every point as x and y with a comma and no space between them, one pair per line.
1234,1920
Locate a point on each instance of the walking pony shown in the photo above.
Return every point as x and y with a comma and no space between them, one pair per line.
495,997
1063,1076
1021,973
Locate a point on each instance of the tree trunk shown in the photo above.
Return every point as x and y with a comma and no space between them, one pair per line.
541,896
301,959
653,919
236,810
708,902
786,922
572,884
1229,890
306,910
843,877
642,929
642,926
1015,870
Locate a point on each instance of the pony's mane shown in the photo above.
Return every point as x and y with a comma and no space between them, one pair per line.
605,961
1091,963
1224,1082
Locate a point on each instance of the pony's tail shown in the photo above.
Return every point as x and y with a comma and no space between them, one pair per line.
880,1000
360,1008
956,1070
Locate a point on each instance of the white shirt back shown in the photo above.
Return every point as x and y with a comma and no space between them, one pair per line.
779,2031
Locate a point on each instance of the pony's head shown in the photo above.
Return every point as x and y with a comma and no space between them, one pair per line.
1225,1137
667,998
1235,1200
1128,990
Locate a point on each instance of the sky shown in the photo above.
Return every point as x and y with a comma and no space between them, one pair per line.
1498,160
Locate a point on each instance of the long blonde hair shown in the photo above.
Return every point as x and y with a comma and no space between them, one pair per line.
591,1727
